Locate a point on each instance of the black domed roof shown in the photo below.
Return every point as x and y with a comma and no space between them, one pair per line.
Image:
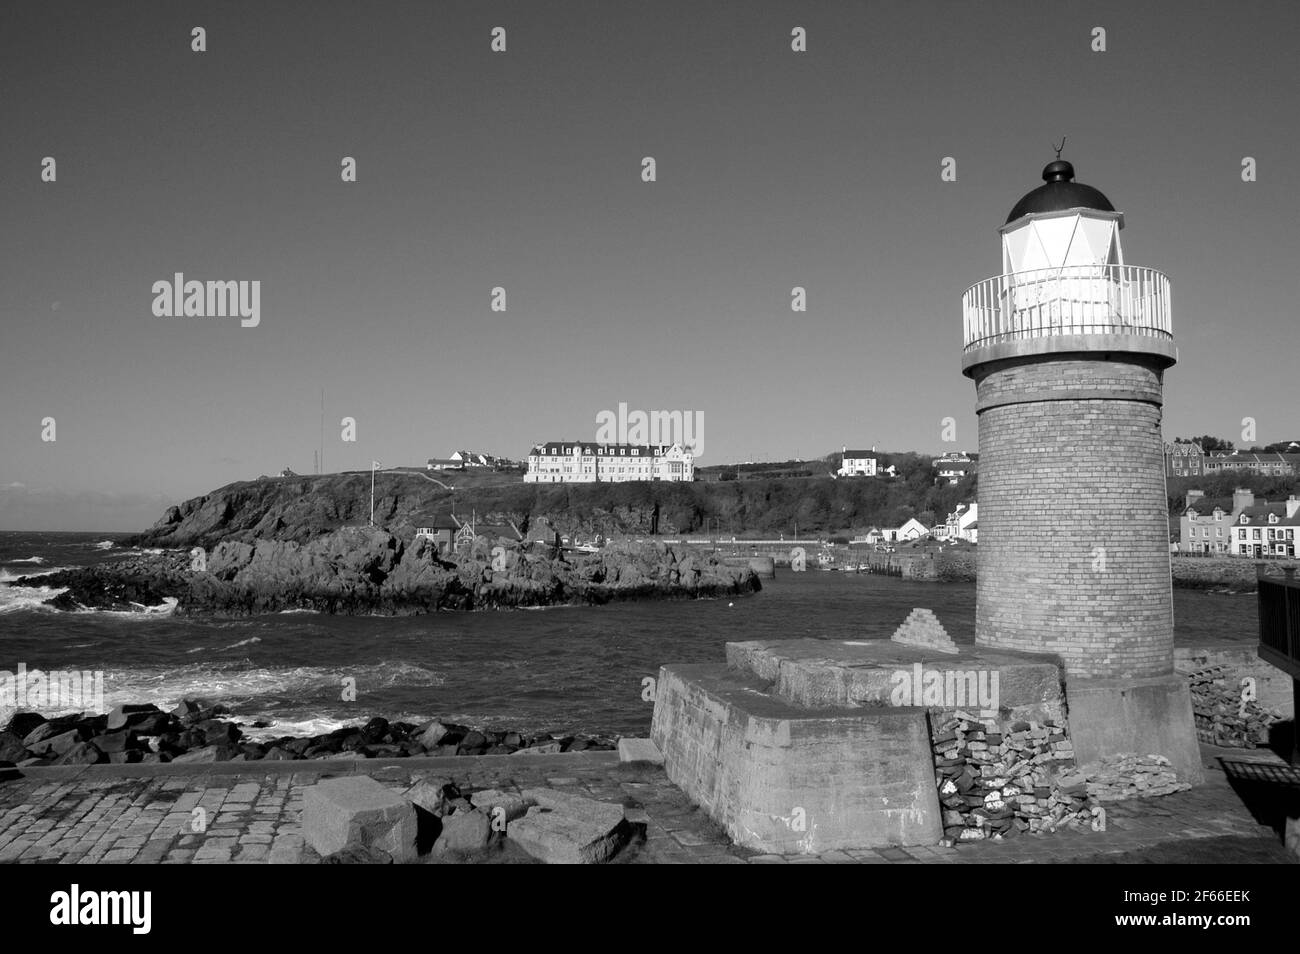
1060,192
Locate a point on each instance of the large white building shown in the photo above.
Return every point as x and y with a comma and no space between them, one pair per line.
857,463
577,462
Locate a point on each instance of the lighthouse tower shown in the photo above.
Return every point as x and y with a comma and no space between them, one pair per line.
1068,347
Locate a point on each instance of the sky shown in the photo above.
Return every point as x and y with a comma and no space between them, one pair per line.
522,170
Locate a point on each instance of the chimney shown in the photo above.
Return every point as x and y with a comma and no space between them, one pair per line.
1194,495
1241,499
1292,506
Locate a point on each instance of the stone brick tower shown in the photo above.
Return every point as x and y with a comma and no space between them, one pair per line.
1068,349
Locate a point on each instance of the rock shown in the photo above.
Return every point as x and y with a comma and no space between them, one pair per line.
639,750
128,715
464,833
24,723
277,753
356,810
56,745
566,837
11,748
434,795
81,753
375,730
208,753
114,742
9,772
217,732
490,799
544,748
472,742
39,734
432,734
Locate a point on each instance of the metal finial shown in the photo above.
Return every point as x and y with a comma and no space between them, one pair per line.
1059,148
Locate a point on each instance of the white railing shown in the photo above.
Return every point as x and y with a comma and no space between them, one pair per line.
1070,300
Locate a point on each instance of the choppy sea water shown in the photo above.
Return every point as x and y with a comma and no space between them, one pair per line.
570,669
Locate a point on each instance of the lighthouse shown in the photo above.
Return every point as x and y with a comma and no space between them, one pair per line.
1068,347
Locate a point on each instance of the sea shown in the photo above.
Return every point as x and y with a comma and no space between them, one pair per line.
579,669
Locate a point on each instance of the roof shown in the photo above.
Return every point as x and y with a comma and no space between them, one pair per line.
441,522
1207,505
1260,514
1059,193
858,454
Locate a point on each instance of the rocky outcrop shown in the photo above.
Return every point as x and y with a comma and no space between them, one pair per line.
364,570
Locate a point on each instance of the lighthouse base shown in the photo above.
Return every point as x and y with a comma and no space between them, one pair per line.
1151,716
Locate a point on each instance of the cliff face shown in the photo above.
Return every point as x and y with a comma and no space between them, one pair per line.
365,571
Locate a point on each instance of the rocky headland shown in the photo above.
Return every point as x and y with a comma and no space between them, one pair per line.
365,570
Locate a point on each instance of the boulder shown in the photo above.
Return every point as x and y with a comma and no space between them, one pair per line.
433,794
56,745
208,753
40,734
356,810
490,799
568,837
128,715
11,748
24,723
543,748
80,753
464,833
113,742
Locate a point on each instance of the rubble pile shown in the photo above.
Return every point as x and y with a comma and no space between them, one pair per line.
1000,781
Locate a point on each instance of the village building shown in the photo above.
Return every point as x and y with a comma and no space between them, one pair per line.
577,462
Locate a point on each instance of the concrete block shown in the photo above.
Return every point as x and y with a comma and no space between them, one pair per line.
639,750
1151,716
784,779
563,837
357,810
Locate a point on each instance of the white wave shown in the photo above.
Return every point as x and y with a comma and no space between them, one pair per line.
237,685
243,642
6,576
14,599
105,545
301,610
142,611
31,559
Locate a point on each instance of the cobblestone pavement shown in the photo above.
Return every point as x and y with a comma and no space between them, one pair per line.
256,818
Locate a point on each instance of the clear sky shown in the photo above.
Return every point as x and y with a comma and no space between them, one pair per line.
522,169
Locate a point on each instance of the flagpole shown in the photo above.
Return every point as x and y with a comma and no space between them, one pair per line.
373,465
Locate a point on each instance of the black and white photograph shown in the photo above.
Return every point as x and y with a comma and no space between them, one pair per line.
438,432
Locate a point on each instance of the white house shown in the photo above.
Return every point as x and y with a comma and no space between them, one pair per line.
857,463
912,530
960,525
953,466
